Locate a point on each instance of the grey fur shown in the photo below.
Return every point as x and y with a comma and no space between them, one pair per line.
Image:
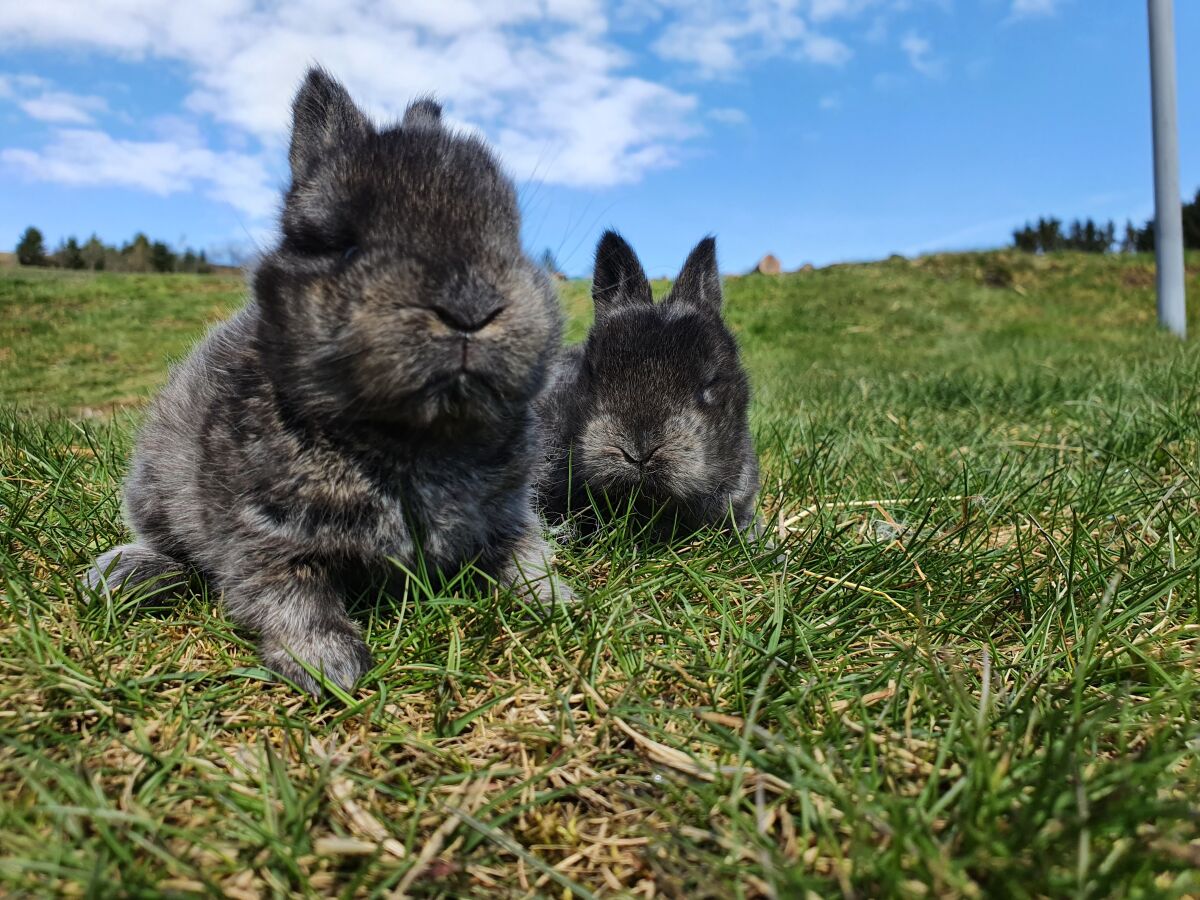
132,564
652,411
373,400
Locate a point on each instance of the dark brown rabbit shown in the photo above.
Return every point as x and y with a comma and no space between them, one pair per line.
373,400
650,414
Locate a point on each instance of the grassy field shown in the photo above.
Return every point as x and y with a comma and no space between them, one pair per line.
970,668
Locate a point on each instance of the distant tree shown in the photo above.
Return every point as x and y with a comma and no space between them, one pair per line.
93,252
1050,237
161,257
70,256
135,256
1191,223
1091,237
193,262
1145,238
1074,236
1026,239
31,249
140,254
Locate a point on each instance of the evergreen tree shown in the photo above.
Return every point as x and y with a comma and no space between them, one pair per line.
1082,235
161,257
1074,238
31,249
70,256
1191,223
135,256
138,255
1026,239
1145,238
1050,237
93,253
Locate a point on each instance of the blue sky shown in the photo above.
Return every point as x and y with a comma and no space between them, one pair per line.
820,130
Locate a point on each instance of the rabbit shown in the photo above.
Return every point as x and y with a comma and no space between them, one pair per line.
373,400
650,414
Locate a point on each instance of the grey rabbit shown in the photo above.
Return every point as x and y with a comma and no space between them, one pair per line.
650,414
372,400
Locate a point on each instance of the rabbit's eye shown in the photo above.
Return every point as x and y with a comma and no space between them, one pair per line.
349,253
707,395
320,240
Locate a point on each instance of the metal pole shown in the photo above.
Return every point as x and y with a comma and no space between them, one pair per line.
1168,223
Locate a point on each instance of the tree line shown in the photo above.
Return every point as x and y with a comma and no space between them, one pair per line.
138,255
1087,236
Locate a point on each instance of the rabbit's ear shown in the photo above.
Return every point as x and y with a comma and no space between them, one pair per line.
323,119
423,113
618,279
699,282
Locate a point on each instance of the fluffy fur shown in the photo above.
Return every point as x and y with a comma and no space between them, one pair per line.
373,400
651,412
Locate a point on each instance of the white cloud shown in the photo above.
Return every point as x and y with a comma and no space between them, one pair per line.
14,86
919,52
538,76
721,38
830,101
38,99
820,48
728,115
1026,9
61,106
545,80
79,156
823,10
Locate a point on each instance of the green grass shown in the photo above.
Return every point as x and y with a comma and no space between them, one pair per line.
93,342
968,669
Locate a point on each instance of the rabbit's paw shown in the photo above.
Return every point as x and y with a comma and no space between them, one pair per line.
339,654
548,591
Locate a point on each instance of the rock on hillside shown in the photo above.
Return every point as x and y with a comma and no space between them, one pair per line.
769,265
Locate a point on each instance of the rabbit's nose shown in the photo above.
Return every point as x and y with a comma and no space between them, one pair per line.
641,455
467,321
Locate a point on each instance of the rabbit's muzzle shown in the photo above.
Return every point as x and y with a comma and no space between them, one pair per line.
664,460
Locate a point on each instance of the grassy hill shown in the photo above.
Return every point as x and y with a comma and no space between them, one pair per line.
968,668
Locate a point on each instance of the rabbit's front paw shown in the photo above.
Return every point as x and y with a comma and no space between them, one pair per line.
531,573
339,654
549,591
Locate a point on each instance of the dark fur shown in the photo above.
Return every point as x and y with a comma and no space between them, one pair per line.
651,412
373,400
